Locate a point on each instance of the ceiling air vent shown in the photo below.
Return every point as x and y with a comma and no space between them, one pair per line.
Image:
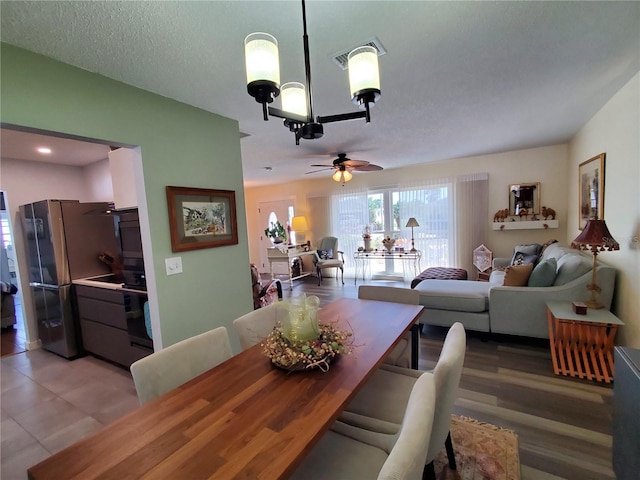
340,58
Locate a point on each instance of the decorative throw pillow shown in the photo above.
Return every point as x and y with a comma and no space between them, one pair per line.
544,274
325,254
520,258
528,249
517,275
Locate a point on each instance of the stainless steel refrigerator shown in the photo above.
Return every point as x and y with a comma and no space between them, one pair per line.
63,240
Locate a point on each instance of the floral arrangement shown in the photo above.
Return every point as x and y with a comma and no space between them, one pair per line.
307,354
366,232
388,242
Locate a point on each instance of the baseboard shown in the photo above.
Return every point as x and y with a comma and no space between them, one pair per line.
33,345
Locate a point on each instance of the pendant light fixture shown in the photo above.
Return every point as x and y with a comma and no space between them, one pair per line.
263,84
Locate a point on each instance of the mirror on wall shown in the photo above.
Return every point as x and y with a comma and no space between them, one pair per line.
524,196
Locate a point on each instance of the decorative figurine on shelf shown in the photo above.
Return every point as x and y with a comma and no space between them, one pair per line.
501,215
548,212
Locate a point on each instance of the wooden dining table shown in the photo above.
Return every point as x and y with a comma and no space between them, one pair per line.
245,418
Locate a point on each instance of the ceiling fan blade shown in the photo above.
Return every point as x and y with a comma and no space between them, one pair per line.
354,163
368,168
328,166
321,170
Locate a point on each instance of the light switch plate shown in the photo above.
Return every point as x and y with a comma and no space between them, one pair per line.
174,265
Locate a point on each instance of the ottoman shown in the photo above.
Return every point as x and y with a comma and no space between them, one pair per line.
440,273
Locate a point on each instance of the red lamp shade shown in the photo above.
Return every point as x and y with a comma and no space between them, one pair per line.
595,237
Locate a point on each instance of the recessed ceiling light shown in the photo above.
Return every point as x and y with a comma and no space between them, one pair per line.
44,150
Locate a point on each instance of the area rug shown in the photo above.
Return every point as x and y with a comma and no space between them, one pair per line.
483,452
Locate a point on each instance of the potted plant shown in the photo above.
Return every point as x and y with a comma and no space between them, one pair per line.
276,232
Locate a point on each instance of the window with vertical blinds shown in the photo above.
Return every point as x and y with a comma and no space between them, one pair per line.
452,214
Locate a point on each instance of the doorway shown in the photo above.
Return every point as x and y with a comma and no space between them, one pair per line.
13,334
71,168
270,212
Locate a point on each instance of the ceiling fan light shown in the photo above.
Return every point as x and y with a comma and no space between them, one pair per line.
364,77
337,176
347,175
262,63
294,98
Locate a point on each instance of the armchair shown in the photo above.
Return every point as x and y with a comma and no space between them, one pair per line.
264,294
328,256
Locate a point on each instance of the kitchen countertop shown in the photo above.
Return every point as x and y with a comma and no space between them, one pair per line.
96,282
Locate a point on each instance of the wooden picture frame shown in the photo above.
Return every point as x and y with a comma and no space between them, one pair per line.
591,190
201,218
524,197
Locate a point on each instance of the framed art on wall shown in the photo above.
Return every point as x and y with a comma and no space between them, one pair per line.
591,190
201,218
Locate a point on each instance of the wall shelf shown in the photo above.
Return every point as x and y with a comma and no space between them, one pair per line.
525,225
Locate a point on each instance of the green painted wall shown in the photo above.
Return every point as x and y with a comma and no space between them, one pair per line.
181,145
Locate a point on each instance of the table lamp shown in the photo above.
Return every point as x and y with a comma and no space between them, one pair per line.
298,225
412,222
596,238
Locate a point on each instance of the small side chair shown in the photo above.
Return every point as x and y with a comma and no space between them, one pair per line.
328,256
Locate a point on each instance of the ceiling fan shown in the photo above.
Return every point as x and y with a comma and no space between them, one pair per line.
343,167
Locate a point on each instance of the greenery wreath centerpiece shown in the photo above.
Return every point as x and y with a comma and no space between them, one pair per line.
300,343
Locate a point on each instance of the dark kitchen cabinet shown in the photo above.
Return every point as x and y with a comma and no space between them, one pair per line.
104,315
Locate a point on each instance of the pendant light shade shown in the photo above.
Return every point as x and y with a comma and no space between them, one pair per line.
263,84
364,78
294,98
263,67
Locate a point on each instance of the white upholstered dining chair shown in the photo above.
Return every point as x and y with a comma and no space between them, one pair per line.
401,354
380,405
156,374
254,326
338,455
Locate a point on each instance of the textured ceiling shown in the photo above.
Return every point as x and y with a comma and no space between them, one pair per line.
459,78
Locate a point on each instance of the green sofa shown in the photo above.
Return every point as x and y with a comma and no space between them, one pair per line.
492,307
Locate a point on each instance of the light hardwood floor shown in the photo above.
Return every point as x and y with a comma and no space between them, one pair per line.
563,424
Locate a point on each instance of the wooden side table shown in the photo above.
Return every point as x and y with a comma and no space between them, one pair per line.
484,276
582,345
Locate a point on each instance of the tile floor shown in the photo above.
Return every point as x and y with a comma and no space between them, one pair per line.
48,403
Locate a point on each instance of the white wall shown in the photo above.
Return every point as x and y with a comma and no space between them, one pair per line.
615,130
547,165
27,182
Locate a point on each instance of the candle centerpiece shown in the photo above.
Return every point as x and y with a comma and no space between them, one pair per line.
300,342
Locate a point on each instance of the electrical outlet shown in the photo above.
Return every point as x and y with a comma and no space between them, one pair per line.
174,265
